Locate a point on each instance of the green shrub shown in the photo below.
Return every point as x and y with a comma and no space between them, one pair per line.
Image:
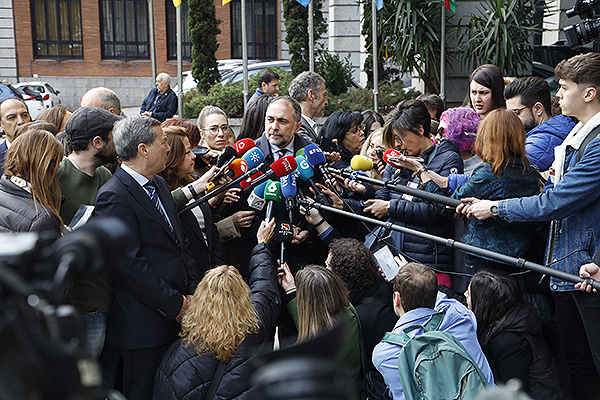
362,99
336,71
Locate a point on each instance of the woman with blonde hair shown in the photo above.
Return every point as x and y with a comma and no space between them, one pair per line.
29,190
224,324
504,173
216,133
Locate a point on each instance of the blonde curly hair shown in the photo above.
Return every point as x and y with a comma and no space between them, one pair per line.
220,314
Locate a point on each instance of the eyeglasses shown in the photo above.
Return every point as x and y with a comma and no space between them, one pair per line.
214,130
400,138
518,110
357,130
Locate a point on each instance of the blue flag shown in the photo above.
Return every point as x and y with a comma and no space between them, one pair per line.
305,2
379,4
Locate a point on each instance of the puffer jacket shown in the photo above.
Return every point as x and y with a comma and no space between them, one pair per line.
516,180
18,212
541,140
516,349
185,374
443,159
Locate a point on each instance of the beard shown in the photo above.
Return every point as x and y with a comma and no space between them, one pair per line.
106,156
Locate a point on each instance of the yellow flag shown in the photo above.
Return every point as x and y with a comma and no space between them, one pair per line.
176,3
226,1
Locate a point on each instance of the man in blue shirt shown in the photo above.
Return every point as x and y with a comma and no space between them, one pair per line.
416,299
268,83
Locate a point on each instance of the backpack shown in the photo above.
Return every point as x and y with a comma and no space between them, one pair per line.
435,365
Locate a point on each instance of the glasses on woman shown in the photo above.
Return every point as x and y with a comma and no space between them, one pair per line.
214,130
400,138
357,130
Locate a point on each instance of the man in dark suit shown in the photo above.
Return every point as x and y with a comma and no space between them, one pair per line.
308,89
153,281
13,114
161,102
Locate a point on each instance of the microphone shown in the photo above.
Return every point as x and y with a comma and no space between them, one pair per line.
223,158
243,145
284,233
361,163
235,169
389,155
288,191
253,157
256,199
282,167
247,182
272,195
306,173
300,152
316,159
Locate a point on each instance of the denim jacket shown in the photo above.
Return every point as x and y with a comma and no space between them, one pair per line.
573,204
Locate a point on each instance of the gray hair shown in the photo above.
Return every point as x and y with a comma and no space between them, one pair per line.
206,111
165,77
104,98
304,82
129,132
295,105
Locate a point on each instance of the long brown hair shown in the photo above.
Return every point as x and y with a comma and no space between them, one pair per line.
220,314
500,139
175,157
35,157
321,295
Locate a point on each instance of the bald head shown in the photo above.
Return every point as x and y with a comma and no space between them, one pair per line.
102,97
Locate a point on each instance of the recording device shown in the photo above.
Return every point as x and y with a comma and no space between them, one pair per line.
391,156
253,157
361,163
234,169
244,184
284,233
272,195
227,155
289,191
43,344
379,153
316,159
589,29
284,166
243,145
386,262
329,146
306,173
218,175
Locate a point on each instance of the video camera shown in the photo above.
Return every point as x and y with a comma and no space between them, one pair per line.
41,340
589,29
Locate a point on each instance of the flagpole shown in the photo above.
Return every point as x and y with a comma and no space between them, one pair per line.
179,61
311,39
152,41
244,53
443,57
375,66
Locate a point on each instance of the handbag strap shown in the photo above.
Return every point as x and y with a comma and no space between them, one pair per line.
216,380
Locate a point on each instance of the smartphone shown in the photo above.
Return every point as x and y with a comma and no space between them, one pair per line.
379,153
329,146
219,174
386,262
397,159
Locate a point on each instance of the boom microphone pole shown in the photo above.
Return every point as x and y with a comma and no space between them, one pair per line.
453,244
423,194
221,189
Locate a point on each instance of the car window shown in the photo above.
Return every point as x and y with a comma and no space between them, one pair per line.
50,89
39,89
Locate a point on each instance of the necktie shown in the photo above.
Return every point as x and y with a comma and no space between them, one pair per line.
151,188
282,153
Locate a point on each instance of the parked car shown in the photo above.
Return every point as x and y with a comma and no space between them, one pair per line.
33,101
50,96
224,67
7,91
237,73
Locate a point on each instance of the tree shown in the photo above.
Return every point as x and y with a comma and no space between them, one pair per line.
501,35
296,26
203,30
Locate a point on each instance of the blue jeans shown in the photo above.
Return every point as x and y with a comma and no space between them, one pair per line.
95,329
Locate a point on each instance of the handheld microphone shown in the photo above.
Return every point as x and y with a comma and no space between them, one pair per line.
243,145
272,195
247,182
391,154
361,163
253,157
235,169
300,152
306,173
316,159
256,199
289,191
223,158
284,233
282,167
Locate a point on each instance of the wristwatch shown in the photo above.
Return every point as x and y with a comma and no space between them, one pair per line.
494,210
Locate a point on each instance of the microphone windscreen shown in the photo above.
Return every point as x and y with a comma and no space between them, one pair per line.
304,170
253,157
260,189
246,183
243,145
300,152
390,153
361,163
314,155
288,185
227,154
283,232
283,166
239,167
273,191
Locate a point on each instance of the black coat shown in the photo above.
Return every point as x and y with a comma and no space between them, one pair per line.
516,349
166,104
156,271
185,374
